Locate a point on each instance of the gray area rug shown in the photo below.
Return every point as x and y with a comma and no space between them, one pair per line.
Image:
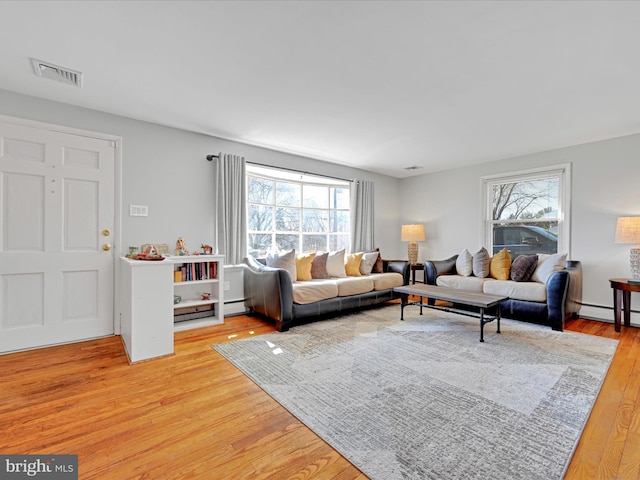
424,399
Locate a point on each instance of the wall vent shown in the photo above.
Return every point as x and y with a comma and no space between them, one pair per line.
56,72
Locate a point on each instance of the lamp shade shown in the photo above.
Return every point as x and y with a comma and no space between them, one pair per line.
628,230
412,233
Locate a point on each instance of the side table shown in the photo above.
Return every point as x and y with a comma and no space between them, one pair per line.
414,268
622,300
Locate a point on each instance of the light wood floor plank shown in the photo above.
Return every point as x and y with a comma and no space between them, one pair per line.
193,415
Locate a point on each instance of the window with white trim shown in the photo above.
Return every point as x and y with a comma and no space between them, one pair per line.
528,212
289,210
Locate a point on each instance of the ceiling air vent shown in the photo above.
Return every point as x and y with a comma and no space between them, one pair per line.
413,167
56,72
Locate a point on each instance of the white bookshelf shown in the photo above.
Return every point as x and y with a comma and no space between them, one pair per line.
200,274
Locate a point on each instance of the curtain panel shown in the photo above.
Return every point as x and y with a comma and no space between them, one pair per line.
362,216
230,208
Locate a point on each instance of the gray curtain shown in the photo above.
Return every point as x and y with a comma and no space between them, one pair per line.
230,208
362,214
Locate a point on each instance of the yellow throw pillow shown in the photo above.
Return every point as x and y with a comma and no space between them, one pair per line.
352,264
303,266
500,265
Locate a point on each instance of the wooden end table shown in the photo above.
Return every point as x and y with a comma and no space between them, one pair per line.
622,289
415,267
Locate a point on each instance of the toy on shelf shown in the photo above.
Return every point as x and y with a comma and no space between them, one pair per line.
206,249
181,249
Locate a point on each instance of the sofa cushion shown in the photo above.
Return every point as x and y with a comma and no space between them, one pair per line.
528,291
368,261
481,262
378,267
547,264
523,267
464,263
471,284
352,264
314,291
303,266
500,265
284,260
335,264
319,266
353,285
383,281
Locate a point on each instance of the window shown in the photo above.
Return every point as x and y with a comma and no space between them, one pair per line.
288,210
527,212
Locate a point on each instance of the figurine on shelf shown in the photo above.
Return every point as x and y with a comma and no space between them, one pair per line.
206,249
181,249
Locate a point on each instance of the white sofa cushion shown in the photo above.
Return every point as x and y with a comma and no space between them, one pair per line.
353,285
335,264
464,263
547,264
470,284
382,281
314,290
529,291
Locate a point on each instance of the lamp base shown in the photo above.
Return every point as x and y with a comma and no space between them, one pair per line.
413,252
635,263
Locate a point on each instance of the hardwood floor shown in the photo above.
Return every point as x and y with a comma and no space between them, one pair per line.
194,416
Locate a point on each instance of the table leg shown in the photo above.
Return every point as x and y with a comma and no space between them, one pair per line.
617,307
482,324
403,303
626,302
498,318
421,300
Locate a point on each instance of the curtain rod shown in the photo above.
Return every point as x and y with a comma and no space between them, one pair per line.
302,172
211,157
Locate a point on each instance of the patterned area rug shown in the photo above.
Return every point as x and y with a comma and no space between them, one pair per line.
424,399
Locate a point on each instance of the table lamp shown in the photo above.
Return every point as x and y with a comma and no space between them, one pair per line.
412,234
628,231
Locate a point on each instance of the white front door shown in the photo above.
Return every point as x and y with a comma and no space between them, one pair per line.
56,235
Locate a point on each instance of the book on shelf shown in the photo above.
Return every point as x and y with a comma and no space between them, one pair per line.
192,271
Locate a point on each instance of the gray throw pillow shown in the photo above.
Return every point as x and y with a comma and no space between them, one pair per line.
523,267
481,263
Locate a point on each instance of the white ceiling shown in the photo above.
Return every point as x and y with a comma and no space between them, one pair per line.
370,84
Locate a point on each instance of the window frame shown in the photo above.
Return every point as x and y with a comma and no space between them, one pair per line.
276,174
561,171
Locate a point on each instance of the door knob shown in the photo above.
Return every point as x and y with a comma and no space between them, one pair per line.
106,232
106,247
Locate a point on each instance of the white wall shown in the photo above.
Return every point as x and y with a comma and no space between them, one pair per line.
605,178
165,169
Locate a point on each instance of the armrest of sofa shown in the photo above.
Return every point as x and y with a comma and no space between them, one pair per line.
557,287
574,294
434,268
269,291
403,267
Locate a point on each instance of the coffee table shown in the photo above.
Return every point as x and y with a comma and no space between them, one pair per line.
481,301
